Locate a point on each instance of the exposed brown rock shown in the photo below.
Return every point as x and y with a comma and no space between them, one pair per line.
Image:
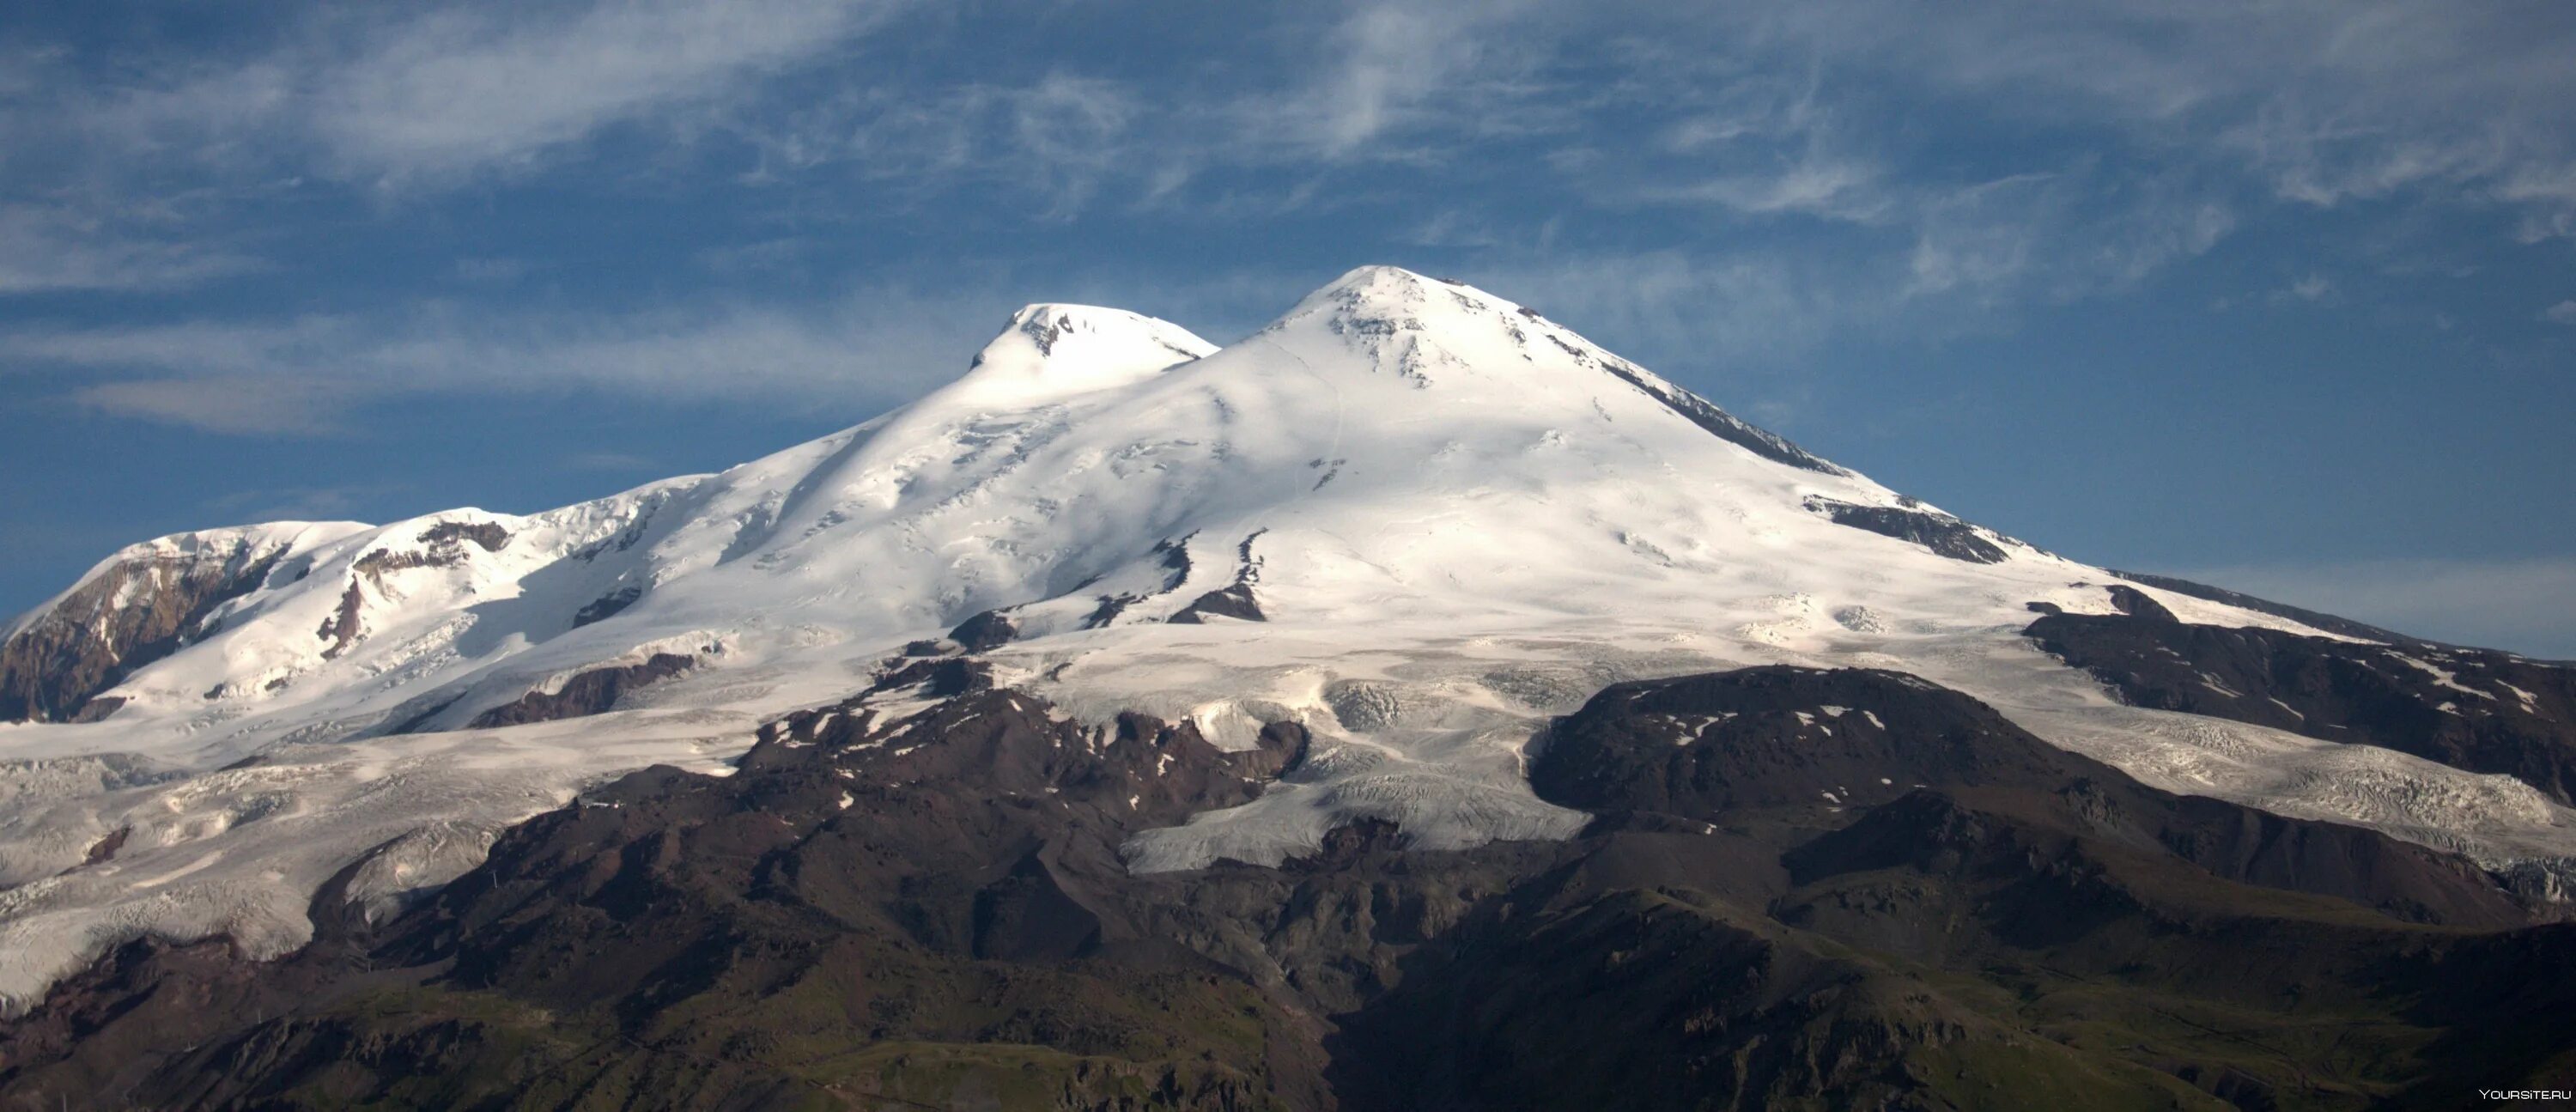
1235,601
607,606
97,709
932,913
2477,709
130,614
341,628
587,693
104,849
488,534
986,631
1943,534
1705,747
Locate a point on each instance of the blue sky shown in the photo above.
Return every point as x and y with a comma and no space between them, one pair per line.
2279,294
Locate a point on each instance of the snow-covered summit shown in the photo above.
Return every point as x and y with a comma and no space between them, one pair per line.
1052,350
1413,516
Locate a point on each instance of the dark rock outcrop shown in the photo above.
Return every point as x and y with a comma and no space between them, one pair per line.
1943,534
929,911
446,543
342,628
2476,709
607,606
98,708
2310,618
1233,601
1700,746
585,693
104,850
1827,742
2135,603
137,610
488,535
986,631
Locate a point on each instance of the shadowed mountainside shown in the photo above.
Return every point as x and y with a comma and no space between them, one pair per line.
1803,889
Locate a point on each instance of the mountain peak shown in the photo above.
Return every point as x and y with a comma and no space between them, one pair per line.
1052,349
1412,325
1391,293
1411,519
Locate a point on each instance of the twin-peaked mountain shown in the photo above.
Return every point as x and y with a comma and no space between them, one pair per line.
1394,443
1345,590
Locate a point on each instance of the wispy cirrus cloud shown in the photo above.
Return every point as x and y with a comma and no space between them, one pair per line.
48,247
2134,136
460,90
2322,101
1835,110
307,376
100,148
434,95
2310,288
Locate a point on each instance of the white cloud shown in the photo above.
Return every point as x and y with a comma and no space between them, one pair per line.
121,178
2055,237
1450,227
310,375
1813,184
461,89
2310,289
45,247
2562,313
2110,141
2322,100
256,406
1395,61
456,91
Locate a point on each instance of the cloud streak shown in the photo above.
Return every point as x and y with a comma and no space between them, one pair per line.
439,95
45,248
1761,112
308,376
462,90
121,176
2149,134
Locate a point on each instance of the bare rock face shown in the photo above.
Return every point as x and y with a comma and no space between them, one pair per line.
918,902
607,606
1831,743
1784,737
141,607
441,546
1235,601
2310,618
2477,709
984,632
1943,534
587,693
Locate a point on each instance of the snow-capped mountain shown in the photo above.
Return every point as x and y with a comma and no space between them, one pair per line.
1414,518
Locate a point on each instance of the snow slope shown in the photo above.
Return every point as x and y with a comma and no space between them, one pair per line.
1453,517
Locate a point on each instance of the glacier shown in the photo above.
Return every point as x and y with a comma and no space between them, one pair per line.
1432,519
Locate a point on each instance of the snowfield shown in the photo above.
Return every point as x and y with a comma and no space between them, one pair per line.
1454,519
